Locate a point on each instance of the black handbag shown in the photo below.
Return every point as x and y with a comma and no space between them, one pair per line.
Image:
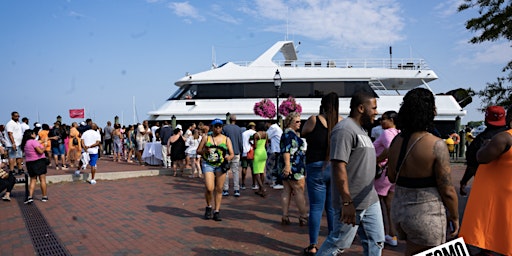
378,171
75,141
225,166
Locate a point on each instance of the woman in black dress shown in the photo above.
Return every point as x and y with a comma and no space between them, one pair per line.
177,150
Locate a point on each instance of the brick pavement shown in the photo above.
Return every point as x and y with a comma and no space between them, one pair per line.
159,215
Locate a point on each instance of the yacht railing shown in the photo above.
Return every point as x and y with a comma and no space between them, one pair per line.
408,64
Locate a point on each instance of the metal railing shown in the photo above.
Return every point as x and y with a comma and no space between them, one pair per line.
406,63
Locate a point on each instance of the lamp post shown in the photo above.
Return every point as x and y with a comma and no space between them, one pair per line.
277,84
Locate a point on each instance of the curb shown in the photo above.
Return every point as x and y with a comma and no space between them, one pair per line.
105,175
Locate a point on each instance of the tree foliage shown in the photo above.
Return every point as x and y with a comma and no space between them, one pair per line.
497,93
494,23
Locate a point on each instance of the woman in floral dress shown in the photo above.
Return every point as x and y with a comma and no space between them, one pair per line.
292,167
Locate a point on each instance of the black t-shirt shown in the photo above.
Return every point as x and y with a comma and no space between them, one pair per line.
473,148
57,132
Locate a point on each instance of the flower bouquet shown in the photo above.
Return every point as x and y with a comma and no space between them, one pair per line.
265,108
288,106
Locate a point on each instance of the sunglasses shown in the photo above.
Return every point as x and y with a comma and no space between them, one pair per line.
297,122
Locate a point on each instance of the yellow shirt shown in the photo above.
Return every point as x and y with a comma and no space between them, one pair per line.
451,144
469,137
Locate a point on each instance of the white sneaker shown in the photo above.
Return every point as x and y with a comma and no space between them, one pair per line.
391,240
77,173
255,187
278,186
93,182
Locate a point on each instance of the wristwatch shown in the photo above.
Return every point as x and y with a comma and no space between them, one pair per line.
347,203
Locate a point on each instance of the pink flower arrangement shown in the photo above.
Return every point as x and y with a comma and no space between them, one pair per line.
288,106
265,108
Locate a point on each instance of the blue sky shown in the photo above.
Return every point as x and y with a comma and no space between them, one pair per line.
58,55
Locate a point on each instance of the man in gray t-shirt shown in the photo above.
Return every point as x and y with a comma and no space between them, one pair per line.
356,204
234,133
107,137
354,149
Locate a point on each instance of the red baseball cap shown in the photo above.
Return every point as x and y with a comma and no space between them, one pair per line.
495,116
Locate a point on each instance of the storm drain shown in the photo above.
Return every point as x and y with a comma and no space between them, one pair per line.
43,238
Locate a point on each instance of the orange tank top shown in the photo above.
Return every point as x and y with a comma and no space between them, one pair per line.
487,221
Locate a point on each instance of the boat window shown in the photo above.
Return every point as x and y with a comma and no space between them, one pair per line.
177,93
267,90
185,92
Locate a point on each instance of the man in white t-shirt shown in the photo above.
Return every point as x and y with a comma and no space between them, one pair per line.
24,125
154,130
91,141
14,136
274,133
246,136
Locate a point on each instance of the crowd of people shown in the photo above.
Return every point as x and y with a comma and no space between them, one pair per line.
389,184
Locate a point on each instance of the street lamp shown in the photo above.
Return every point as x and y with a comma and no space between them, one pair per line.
277,84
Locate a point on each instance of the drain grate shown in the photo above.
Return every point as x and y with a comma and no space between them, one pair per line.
43,238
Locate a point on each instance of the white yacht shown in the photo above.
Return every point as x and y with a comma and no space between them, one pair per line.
235,87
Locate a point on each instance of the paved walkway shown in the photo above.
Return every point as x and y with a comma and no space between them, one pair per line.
156,215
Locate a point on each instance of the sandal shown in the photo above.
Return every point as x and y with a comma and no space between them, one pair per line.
308,250
285,220
303,221
262,194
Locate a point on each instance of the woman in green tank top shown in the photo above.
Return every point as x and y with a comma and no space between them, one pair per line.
215,149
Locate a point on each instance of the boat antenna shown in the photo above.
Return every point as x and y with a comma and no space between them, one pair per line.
390,57
287,15
214,65
135,116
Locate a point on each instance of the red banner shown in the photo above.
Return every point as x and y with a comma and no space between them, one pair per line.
77,113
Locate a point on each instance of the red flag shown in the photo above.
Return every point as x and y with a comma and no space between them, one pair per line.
77,113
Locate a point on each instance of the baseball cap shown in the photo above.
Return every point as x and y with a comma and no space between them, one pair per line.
251,124
495,115
217,121
179,127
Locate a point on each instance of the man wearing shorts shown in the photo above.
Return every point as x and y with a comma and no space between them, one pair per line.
246,135
13,142
91,141
57,136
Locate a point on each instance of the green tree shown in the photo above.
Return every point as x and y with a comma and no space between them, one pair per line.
497,93
494,23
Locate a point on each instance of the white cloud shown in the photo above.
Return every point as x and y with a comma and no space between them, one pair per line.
485,53
218,13
448,7
185,10
76,15
494,53
353,24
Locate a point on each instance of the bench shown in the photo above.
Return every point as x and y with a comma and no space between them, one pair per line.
22,179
